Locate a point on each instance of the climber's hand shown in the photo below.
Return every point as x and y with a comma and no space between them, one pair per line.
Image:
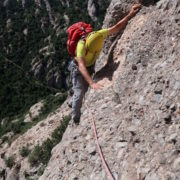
135,8
96,86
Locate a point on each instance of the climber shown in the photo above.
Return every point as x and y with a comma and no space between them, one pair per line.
83,65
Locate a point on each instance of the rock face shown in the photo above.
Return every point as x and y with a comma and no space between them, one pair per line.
116,11
137,113
34,136
92,10
48,7
34,111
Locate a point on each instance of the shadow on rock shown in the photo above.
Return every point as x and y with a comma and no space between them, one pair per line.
148,3
107,71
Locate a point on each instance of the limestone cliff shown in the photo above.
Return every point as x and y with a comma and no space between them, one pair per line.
137,113
37,135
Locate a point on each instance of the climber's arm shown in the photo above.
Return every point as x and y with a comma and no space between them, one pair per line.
84,72
122,23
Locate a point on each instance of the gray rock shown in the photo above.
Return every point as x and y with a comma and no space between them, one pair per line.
161,139
177,86
14,173
162,160
121,145
132,130
5,3
54,79
38,69
158,98
177,176
176,164
168,4
91,150
158,89
92,10
2,173
152,176
172,137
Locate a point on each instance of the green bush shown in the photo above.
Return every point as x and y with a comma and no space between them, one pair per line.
4,138
46,151
58,132
10,161
42,154
9,141
41,170
16,127
35,156
24,152
51,103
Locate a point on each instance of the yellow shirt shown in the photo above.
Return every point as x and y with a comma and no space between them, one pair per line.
81,50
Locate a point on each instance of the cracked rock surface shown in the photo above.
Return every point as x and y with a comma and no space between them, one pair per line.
137,113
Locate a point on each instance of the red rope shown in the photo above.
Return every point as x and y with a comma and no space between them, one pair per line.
98,146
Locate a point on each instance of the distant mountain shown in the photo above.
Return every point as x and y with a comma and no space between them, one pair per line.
33,56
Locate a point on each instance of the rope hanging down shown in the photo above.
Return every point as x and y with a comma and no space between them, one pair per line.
97,143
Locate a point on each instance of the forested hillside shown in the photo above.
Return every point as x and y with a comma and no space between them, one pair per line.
33,56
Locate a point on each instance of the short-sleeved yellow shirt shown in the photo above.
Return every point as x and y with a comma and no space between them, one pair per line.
81,50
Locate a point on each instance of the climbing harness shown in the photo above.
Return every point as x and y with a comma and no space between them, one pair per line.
98,146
